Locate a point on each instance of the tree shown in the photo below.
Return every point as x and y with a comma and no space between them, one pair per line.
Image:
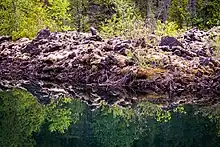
64,125
21,115
114,127
117,126
184,129
192,9
208,15
17,17
78,11
178,12
166,9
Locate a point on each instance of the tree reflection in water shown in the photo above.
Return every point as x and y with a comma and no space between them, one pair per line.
67,122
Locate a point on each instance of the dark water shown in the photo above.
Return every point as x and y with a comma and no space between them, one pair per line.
71,123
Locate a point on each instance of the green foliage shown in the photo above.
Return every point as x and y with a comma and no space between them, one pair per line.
117,126
184,128
27,17
188,129
20,116
163,116
24,18
216,45
79,19
67,122
168,29
178,13
215,40
73,135
123,21
148,110
213,114
144,60
208,15
114,126
60,118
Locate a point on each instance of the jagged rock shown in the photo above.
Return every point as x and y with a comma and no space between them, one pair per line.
140,42
5,38
165,48
43,34
169,41
74,64
93,31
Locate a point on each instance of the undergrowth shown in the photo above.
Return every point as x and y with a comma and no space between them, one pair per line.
215,41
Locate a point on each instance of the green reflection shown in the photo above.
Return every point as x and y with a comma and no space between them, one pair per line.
70,123
21,115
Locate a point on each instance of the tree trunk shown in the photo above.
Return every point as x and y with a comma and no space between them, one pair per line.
166,8
46,2
192,9
15,16
78,10
147,13
159,9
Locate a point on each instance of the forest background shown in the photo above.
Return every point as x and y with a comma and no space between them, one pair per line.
24,18
67,122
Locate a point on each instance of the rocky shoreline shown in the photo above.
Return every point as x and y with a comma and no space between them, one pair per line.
170,72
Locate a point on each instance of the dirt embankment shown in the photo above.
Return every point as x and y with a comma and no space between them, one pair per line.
115,70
